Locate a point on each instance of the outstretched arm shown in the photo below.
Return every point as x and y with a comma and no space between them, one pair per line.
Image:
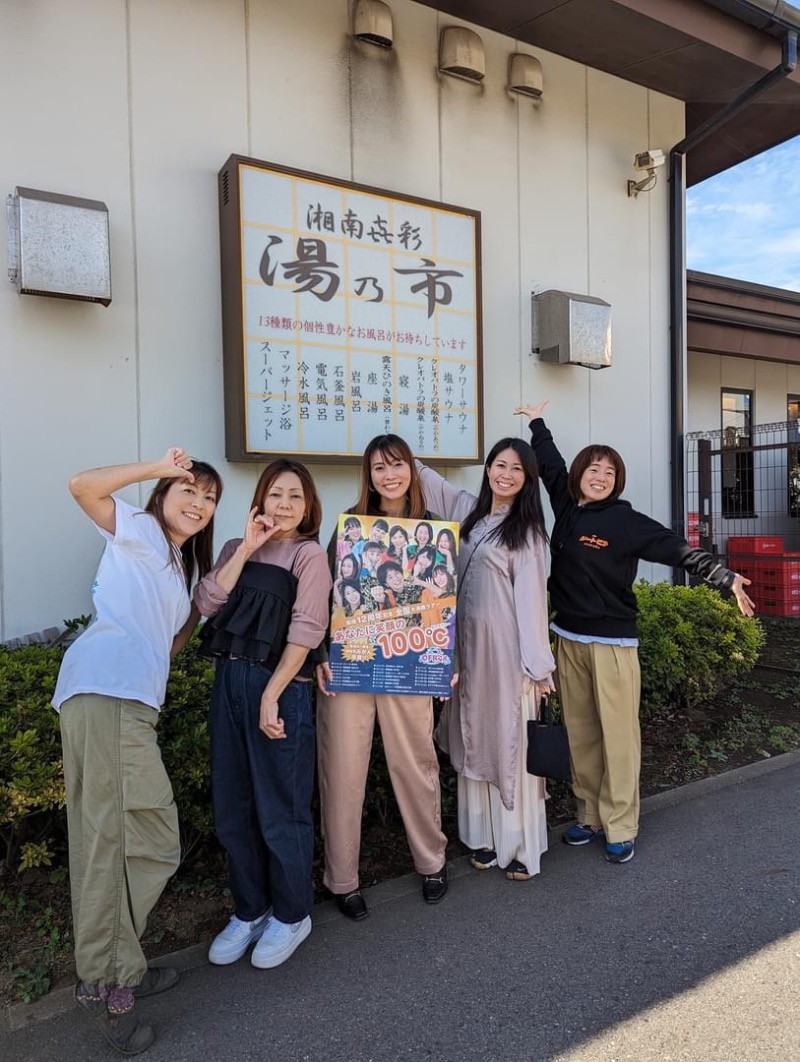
661,545
92,489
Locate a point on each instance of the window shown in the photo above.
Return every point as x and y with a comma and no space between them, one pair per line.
738,481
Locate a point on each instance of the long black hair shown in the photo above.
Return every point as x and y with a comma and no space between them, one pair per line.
526,513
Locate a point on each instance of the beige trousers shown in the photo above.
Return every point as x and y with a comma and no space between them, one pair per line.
345,724
599,687
123,832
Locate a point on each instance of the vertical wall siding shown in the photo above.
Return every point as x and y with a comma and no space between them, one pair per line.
139,104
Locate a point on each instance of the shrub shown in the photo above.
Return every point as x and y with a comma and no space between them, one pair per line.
183,737
691,641
31,784
32,819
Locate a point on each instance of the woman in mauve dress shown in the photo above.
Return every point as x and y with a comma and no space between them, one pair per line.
506,665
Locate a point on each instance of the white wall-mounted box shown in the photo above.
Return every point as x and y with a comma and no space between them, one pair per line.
58,245
570,329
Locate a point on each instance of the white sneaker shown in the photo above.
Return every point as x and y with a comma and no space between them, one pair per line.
279,941
235,939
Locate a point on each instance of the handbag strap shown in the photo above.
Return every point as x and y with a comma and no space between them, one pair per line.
545,714
481,540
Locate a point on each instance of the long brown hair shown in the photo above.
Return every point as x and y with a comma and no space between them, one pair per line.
312,517
197,552
587,456
369,501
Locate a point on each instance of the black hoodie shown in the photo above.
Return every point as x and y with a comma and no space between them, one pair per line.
596,549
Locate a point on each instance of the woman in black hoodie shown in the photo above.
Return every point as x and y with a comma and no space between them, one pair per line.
597,542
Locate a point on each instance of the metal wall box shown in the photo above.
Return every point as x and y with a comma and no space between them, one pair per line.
58,245
569,329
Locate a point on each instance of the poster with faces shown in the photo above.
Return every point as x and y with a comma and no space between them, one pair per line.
393,618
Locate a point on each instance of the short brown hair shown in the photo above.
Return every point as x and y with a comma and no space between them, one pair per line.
369,501
312,517
587,456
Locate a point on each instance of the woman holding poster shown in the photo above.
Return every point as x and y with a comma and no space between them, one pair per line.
390,488
505,660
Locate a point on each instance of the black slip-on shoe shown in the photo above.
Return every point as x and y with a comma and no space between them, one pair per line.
352,905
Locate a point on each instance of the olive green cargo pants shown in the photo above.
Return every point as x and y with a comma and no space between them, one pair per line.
124,843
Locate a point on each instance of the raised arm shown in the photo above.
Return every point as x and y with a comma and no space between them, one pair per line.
213,590
441,497
92,489
552,467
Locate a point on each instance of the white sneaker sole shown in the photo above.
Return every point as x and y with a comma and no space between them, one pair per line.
226,958
272,959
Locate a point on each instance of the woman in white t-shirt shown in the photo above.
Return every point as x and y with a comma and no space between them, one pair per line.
123,825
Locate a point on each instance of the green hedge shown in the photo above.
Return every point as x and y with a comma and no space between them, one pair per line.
691,642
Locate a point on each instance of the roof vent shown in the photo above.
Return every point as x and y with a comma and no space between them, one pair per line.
525,76
372,23
461,54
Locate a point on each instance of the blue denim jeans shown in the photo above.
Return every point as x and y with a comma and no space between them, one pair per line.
262,790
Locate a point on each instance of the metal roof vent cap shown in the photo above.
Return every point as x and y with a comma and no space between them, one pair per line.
372,23
461,54
525,76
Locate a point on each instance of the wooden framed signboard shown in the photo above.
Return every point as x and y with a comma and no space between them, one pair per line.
348,312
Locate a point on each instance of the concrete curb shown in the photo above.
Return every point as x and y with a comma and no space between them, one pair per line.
20,1015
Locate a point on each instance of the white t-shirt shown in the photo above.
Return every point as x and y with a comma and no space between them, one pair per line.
140,602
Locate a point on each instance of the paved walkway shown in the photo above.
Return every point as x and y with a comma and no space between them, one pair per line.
691,952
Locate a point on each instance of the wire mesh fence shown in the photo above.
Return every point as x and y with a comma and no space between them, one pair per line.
743,494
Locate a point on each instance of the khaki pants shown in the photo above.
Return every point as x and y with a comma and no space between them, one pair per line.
123,832
599,687
344,740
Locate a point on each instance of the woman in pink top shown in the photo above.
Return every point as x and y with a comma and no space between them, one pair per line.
267,598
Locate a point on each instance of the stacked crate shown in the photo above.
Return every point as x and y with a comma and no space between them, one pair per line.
773,573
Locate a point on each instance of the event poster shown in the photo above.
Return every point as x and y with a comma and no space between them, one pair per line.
393,618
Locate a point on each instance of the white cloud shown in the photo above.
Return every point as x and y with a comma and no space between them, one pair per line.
789,244
744,222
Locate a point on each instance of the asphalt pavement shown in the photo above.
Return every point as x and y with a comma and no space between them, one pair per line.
690,952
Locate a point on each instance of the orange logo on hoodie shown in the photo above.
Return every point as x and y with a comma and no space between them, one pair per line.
593,542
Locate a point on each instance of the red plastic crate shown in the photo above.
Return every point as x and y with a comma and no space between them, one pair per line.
753,545
759,571
779,572
693,529
778,608
775,593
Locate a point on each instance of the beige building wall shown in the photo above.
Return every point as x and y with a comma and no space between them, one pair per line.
770,382
139,103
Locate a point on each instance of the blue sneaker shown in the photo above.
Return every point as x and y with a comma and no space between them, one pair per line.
580,834
620,851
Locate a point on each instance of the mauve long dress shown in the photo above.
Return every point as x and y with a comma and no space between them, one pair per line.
502,636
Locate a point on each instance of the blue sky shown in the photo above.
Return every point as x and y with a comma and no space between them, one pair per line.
745,222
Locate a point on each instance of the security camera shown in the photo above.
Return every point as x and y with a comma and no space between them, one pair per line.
648,160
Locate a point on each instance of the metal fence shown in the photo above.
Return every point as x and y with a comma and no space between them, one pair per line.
743,504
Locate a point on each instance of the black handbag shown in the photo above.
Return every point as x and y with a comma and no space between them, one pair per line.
548,747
